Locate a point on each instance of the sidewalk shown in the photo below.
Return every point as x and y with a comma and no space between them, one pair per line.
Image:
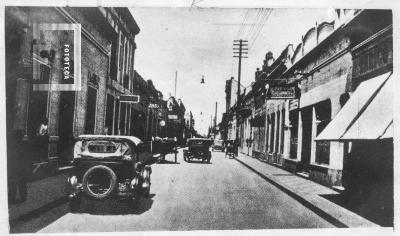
307,192
41,194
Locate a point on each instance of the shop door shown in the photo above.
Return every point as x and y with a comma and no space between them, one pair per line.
65,126
91,111
306,116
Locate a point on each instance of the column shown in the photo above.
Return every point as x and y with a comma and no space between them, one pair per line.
313,135
113,123
266,135
287,134
299,137
22,91
269,134
275,132
119,118
128,129
280,131
118,56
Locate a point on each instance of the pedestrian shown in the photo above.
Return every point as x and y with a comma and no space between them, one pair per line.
41,140
20,167
43,128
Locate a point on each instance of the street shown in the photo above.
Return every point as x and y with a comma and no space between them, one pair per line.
189,196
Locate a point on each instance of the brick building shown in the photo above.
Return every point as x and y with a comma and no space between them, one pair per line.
33,55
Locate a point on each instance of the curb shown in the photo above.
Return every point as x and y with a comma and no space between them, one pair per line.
325,215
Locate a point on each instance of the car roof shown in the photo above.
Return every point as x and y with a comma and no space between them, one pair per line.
204,139
132,139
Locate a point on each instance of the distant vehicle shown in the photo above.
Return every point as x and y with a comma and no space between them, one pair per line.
164,146
198,148
109,166
218,145
231,149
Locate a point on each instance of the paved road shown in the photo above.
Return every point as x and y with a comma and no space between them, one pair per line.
190,196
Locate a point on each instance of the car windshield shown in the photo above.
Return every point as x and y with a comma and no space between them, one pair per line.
218,142
101,148
199,142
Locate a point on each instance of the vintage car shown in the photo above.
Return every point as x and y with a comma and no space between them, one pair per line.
198,148
109,166
164,146
218,145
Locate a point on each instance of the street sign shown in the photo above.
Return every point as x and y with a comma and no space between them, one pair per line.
129,98
153,105
282,92
172,117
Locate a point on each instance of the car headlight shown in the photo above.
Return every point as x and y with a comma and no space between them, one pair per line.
73,180
134,183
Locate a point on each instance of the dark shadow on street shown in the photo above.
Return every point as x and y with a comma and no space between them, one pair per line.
199,162
47,215
373,206
167,162
114,206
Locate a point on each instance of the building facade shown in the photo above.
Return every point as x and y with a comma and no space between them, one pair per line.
119,112
34,56
324,70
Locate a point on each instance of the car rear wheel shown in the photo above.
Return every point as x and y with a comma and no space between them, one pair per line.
99,181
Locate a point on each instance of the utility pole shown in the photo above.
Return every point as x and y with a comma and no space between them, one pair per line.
176,79
215,117
240,50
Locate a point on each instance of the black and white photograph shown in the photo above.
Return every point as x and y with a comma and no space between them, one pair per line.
193,116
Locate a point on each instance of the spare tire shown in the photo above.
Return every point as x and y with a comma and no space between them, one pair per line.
99,181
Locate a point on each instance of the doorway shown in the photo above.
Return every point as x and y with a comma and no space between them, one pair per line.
306,118
90,110
65,126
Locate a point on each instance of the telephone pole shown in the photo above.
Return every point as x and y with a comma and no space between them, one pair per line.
176,80
240,50
215,117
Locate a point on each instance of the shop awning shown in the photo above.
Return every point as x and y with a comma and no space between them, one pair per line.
368,114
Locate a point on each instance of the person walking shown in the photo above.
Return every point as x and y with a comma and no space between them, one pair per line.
20,168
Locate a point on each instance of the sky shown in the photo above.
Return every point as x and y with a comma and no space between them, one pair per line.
198,42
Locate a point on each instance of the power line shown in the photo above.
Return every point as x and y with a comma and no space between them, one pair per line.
245,18
254,21
262,26
259,24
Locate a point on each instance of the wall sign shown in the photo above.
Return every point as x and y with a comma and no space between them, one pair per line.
172,117
281,92
129,98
